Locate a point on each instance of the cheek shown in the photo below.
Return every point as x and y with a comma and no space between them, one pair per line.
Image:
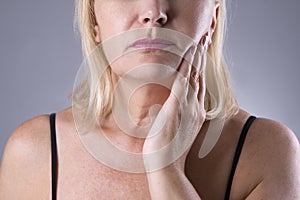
111,20
194,19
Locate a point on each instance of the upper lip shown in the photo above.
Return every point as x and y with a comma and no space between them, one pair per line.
148,42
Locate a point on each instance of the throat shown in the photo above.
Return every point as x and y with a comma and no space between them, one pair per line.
146,102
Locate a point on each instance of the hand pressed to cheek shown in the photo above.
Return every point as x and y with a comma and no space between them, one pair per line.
197,85
198,81
184,120
194,71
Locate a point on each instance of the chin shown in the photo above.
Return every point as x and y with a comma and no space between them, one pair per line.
147,66
157,56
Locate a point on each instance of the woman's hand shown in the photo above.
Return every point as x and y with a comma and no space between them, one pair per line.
175,129
182,115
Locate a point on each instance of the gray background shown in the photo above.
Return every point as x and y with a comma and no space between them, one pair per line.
40,55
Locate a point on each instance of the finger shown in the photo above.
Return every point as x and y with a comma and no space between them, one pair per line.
180,84
186,63
196,94
197,90
202,79
197,72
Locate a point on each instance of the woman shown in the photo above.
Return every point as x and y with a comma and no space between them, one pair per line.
200,93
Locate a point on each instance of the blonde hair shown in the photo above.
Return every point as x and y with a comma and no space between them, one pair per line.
95,95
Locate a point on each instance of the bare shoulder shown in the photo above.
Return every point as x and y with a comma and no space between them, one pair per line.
31,139
278,131
273,141
271,154
266,137
270,137
26,160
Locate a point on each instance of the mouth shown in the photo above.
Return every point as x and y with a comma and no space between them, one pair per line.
149,44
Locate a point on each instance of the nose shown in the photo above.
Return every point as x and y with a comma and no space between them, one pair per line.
153,13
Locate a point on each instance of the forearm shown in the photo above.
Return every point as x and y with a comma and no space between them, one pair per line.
170,183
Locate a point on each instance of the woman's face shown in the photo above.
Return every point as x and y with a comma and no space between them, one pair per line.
194,18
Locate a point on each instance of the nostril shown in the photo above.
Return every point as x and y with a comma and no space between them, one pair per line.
146,20
154,18
160,21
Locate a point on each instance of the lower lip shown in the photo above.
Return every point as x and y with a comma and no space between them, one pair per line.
151,47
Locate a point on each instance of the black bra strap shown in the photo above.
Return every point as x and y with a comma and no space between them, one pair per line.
237,154
53,155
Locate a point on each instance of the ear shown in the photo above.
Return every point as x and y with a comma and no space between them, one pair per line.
206,40
97,33
215,17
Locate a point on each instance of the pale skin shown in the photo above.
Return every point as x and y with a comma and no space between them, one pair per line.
268,168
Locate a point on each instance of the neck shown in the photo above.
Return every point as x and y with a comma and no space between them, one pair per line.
138,103
146,99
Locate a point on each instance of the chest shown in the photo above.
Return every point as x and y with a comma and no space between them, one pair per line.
82,177
99,182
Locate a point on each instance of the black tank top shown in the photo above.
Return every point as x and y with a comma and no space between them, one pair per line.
54,164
